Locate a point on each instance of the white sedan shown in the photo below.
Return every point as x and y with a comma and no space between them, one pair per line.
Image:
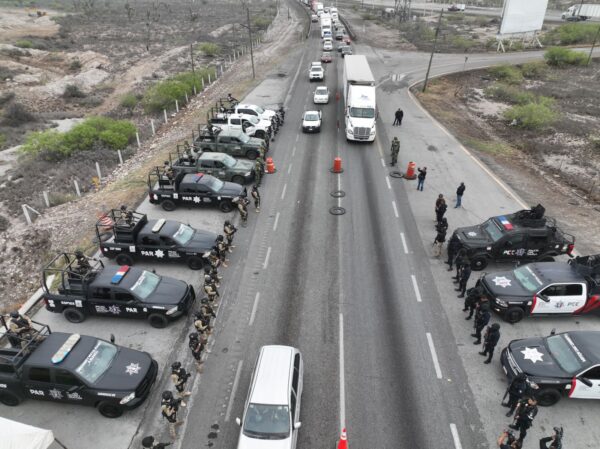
321,95
311,122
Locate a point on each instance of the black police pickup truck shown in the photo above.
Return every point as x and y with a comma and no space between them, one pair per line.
545,288
136,237
523,236
75,369
78,289
193,189
566,364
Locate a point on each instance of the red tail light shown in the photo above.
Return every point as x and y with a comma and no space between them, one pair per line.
570,248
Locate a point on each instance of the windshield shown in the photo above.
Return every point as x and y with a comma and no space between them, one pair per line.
243,138
321,91
362,112
527,278
97,362
228,161
492,230
311,118
561,349
259,110
252,119
145,284
214,184
316,69
270,422
183,235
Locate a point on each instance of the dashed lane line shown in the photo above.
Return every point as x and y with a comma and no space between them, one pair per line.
404,242
382,162
395,209
290,169
416,287
436,363
266,262
283,191
236,381
276,221
387,181
455,436
254,308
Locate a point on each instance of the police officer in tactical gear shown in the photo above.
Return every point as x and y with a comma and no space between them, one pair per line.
167,172
229,230
213,258
554,441
126,216
211,290
508,441
150,442
395,149
516,390
490,340
20,325
222,249
460,260
202,324
214,275
525,414
438,242
242,204
180,376
258,172
256,197
196,344
454,246
472,300
465,274
83,264
206,309
169,408
482,318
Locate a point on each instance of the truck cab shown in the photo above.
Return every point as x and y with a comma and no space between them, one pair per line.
360,112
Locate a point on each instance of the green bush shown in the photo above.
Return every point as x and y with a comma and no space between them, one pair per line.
129,101
75,65
2,141
594,140
508,74
531,116
53,145
23,43
209,49
509,94
261,22
534,70
462,43
561,57
572,33
73,91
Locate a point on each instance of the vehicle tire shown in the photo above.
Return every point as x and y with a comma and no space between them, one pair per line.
514,314
547,397
168,205
9,399
479,263
158,321
109,410
260,134
195,262
124,259
73,315
252,154
546,258
238,179
225,206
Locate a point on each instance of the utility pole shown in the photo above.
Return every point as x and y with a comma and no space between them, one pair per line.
593,45
192,56
250,40
437,32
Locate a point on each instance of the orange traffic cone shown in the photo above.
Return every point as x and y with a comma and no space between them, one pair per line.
343,443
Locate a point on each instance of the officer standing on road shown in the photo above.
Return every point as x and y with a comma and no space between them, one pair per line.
421,177
440,208
213,258
258,172
460,260
211,290
169,409
242,204
256,196
465,274
214,275
206,309
398,116
490,340
229,230
150,443
202,325
472,300
440,238
516,390
554,441
197,346
222,249
459,194
482,318
180,376
526,412
395,150
453,248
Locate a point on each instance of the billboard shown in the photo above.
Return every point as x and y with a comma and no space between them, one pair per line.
523,16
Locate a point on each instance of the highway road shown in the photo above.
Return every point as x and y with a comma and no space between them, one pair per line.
386,349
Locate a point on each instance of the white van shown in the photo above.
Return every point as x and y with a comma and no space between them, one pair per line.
272,409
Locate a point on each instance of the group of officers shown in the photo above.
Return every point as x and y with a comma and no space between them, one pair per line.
198,339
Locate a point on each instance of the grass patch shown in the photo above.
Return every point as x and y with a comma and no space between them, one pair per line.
562,57
509,94
24,43
73,91
534,70
463,43
507,73
209,49
571,33
52,145
494,148
129,102
531,116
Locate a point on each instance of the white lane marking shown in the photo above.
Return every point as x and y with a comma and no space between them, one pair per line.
339,183
297,137
289,169
404,243
416,287
266,262
342,376
236,381
378,145
276,221
283,191
387,181
293,150
395,209
455,437
436,364
254,307
382,162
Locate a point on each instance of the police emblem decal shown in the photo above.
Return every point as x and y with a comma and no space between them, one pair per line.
502,281
56,394
133,368
159,253
472,234
196,199
532,354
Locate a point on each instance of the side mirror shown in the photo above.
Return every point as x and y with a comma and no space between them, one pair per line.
543,298
585,381
298,424
112,338
553,331
238,421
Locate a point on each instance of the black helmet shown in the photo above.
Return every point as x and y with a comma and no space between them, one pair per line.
213,252
123,207
79,254
495,326
167,395
175,366
148,441
227,222
166,163
219,238
206,269
207,278
194,336
14,314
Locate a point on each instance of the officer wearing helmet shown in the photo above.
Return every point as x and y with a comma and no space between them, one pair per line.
214,259
222,248
229,230
20,325
168,171
206,309
150,442
169,407
214,275
490,340
256,196
202,324
83,264
196,344
210,289
180,376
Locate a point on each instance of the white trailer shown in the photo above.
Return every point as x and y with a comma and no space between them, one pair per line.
583,11
360,106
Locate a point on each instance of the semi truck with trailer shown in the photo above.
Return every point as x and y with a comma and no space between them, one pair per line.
360,106
582,11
